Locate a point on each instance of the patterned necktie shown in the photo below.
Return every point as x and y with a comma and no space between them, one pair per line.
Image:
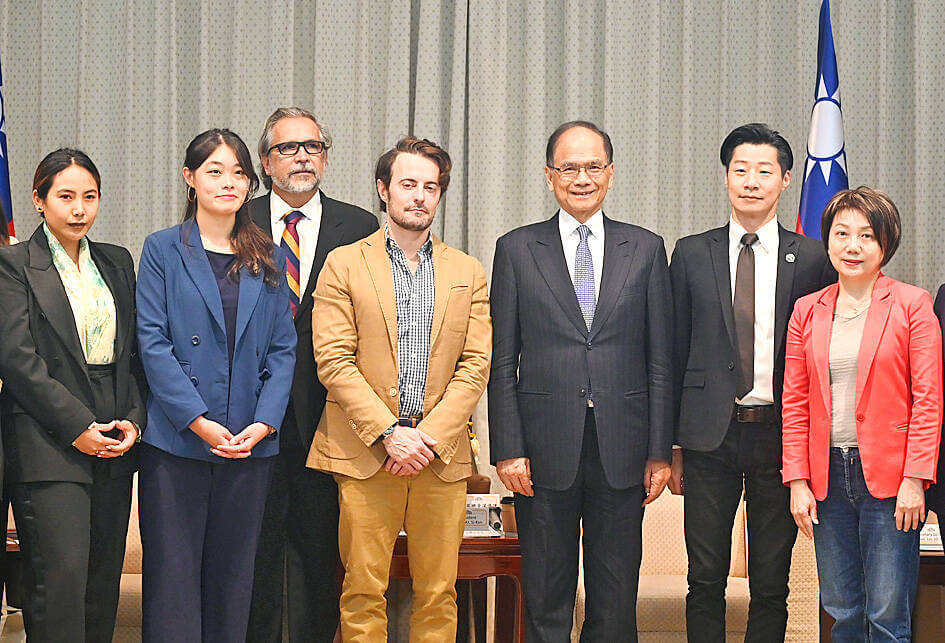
290,243
743,307
584,277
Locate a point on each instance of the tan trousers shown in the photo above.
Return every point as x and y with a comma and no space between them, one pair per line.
373,511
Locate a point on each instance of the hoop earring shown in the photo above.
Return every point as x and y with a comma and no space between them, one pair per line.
191,200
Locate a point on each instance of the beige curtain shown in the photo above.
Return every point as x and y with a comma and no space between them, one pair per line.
132,81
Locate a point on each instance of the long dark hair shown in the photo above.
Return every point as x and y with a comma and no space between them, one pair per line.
253,248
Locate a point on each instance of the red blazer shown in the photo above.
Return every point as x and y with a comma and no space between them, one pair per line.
898,389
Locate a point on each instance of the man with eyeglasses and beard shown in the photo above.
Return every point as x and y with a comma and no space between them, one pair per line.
298,546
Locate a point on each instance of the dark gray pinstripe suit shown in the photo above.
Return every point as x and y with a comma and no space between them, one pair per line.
584,464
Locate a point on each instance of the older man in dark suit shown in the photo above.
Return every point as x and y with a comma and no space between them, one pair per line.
581,392
299,541
734,288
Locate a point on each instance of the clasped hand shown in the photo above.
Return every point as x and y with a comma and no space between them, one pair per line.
409,450
226,445
92,441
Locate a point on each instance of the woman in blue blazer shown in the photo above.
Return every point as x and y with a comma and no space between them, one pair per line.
218,346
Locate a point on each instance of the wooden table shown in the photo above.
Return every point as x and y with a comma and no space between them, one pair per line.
500,557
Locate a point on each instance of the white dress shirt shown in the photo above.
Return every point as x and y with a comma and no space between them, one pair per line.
307,227
570,238
766,277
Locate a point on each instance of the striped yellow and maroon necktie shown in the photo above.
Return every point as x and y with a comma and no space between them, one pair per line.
290,242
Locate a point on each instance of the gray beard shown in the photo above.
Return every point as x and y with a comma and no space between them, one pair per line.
311,186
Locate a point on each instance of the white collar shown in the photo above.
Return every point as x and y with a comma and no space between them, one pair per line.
567,224
767,234
278,208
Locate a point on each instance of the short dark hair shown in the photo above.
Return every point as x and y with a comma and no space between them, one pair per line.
879,210
564,127
757,134
410,145
55,162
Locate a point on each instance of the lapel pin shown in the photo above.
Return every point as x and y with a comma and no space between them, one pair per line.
789,257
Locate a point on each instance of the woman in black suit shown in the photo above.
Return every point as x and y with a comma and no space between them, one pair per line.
70,404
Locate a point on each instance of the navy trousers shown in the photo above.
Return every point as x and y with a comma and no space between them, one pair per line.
200,524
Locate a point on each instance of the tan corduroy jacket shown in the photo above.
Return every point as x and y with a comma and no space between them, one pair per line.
354,331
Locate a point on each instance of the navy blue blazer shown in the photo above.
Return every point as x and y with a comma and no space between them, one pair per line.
182,341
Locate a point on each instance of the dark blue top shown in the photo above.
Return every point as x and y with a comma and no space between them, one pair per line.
229,294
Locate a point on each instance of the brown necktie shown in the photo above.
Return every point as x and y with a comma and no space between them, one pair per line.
744,309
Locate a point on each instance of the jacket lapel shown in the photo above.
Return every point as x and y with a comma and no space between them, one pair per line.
330,233
822,323
259,213
718,252
618,252
876,318
441,284
787,245
250,288
548,253
378,264
117,283
198,267
51,296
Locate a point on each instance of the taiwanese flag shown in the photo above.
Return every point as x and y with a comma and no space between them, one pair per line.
5,201
825,172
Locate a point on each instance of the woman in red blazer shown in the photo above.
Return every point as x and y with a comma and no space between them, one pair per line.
862,412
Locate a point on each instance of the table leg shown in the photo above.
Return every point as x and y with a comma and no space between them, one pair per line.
478,596
509,610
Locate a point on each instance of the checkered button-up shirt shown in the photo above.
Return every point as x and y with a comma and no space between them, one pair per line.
415,294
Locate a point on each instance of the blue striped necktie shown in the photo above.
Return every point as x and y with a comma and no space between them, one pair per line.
584,277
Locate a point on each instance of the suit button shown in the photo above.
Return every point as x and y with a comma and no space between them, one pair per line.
194,380
731,366
195,340
588,346
392,392
860,417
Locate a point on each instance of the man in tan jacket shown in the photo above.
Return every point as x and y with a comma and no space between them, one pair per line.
402,339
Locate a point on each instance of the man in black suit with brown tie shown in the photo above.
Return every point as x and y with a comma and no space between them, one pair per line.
298,545
580,398
936,493
734,288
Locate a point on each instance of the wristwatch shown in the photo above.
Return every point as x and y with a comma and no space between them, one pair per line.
387,432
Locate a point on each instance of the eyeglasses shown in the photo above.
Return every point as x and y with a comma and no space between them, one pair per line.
291,148
570,171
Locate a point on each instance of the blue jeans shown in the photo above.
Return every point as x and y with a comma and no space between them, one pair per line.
868,569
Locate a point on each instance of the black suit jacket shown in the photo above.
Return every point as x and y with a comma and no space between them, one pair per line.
46,388
544,360
706,364
936,495
341,224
